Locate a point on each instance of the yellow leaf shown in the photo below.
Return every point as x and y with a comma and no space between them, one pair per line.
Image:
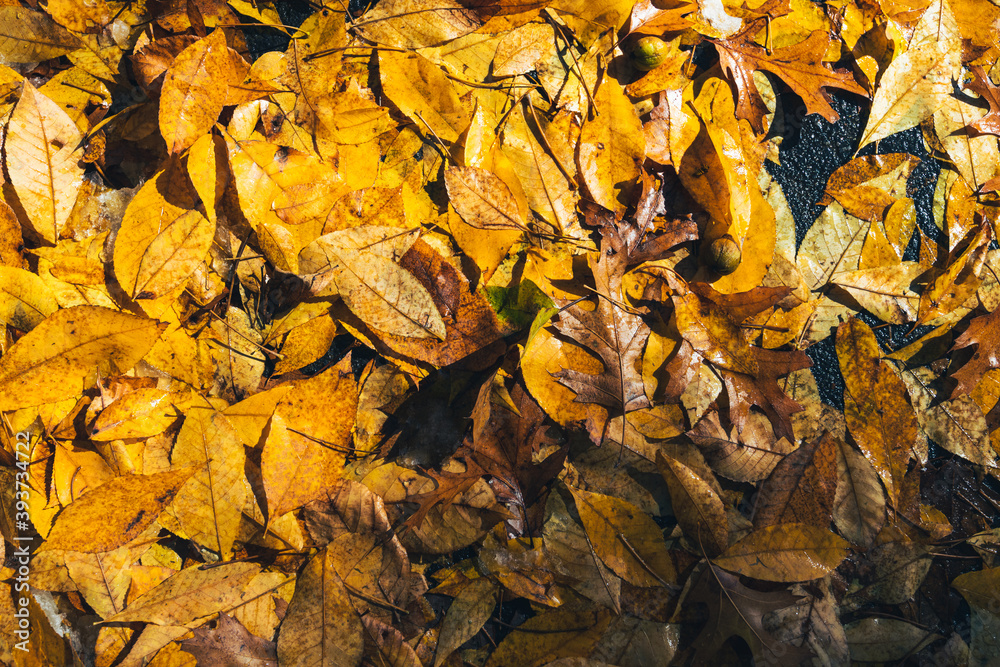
424,93
207,168
545,184
885,291
957,425
626,538
25,299
298,187
309,438
194,91
917,83
191,594
64,354
210,506
466,616
482,199
162,239
611,149
250,416
407,24
115,512
698,508
102,578
551,635
521,48
43,150
141,414
31,37
321,626
374,286
785,552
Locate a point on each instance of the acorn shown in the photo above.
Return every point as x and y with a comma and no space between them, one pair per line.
724,255
649,53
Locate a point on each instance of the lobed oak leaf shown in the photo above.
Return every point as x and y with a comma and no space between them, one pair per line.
985,88
736,610
984,333
800,66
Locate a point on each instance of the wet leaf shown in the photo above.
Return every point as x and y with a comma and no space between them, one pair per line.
626,539
785,552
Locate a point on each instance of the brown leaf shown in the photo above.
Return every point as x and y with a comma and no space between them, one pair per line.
321,626
698,508
801,488
735,610
981,85
800,66
984,333
230,644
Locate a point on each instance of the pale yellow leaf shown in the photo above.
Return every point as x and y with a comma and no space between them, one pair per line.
44,148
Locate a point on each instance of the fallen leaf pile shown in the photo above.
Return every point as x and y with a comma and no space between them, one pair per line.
474,332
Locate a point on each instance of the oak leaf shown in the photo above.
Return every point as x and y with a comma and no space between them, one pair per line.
799,65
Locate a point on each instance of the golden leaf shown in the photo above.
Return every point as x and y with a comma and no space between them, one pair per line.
210,505
424,93
64,354
611,149
31,37
192,96
44,148
466,616
25,299
482,199
115,512
785,552
141,414
627,539
191,594
384,295
163,238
